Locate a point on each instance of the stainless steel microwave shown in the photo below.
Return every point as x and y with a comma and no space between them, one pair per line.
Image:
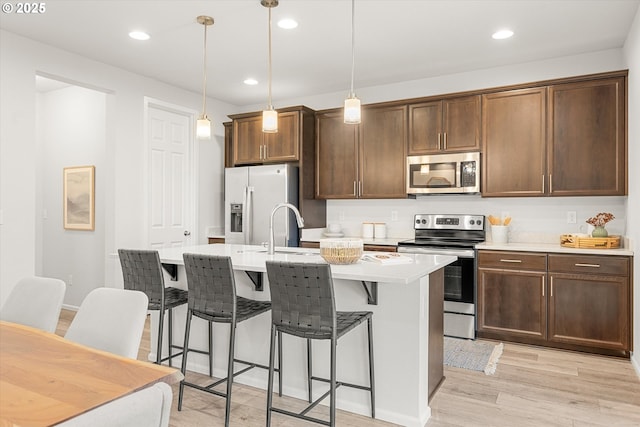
453,173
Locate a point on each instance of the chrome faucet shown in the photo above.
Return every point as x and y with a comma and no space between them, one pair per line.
271,248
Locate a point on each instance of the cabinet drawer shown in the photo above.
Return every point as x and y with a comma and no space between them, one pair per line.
589,264
512,260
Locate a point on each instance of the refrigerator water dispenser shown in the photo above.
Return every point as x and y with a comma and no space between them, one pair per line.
236,217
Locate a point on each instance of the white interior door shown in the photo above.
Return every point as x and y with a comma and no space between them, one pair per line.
171,204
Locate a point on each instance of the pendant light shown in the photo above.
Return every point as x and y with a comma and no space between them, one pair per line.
203,124
269,116
352,111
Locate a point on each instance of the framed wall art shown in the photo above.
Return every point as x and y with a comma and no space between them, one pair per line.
78,199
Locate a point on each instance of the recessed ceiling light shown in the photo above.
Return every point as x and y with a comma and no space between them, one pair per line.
250,82
287,24
139,35
502,34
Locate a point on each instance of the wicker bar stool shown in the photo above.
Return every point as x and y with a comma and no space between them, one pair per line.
142,271
212,297
303,304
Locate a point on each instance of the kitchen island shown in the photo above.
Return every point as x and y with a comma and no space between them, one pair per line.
406,301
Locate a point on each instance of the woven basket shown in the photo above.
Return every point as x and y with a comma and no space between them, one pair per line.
341,251
586,242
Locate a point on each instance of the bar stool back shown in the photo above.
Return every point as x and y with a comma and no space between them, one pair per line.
212,297
303,304
142,271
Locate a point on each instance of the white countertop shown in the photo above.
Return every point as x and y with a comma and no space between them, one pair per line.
550,247
389,241
252,258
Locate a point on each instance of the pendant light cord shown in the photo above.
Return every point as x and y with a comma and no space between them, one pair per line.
204,74
353,48
270,106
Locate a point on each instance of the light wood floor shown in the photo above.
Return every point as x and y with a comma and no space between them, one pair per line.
532,386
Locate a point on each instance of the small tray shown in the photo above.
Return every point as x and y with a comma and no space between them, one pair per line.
585,242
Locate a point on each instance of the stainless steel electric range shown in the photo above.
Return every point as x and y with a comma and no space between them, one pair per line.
454,235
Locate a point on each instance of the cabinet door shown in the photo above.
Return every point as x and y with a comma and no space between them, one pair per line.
247,140
425,128
513,141
337,157
382,152
589,310
284,145
512,303
587,138
461,124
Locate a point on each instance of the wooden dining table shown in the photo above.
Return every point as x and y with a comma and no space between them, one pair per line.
45,379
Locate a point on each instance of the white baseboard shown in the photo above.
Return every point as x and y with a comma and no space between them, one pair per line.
635,362
70,307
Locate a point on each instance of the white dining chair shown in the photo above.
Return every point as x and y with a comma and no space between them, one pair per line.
111,320
149,407
36,302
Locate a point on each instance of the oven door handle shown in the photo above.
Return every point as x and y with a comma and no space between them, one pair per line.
460,253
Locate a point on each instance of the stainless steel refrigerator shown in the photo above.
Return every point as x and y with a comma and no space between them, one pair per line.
250,194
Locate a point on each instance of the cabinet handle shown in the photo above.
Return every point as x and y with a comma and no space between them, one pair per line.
542,183
587,265
359,188
439,144
355,193
266,152
543,285
511,260
550,183
261,153
551,283
445,140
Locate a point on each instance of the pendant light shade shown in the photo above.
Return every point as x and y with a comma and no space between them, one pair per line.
270,121
352,114
203,127
269,116
203,124
352,110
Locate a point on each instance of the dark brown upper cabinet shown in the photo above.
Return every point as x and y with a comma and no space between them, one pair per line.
362,161
441,126
562,139
587,152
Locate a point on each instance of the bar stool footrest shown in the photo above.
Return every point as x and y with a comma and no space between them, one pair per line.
301,417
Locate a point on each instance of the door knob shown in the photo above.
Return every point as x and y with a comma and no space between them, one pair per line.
187,233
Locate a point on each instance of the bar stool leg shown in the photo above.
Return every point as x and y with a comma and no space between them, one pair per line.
309,369
210,349
279,363
270,380
170,337
160,333
371,377
232,340
332,404
187,330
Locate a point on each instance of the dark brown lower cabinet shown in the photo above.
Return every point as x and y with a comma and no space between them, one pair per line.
513,303
577,302
590,301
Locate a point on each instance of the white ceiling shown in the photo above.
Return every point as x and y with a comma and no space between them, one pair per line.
395,40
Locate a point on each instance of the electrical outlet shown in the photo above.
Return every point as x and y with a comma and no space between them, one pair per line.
394,215
341,216
571,217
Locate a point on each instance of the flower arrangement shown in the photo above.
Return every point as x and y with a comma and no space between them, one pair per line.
601,219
